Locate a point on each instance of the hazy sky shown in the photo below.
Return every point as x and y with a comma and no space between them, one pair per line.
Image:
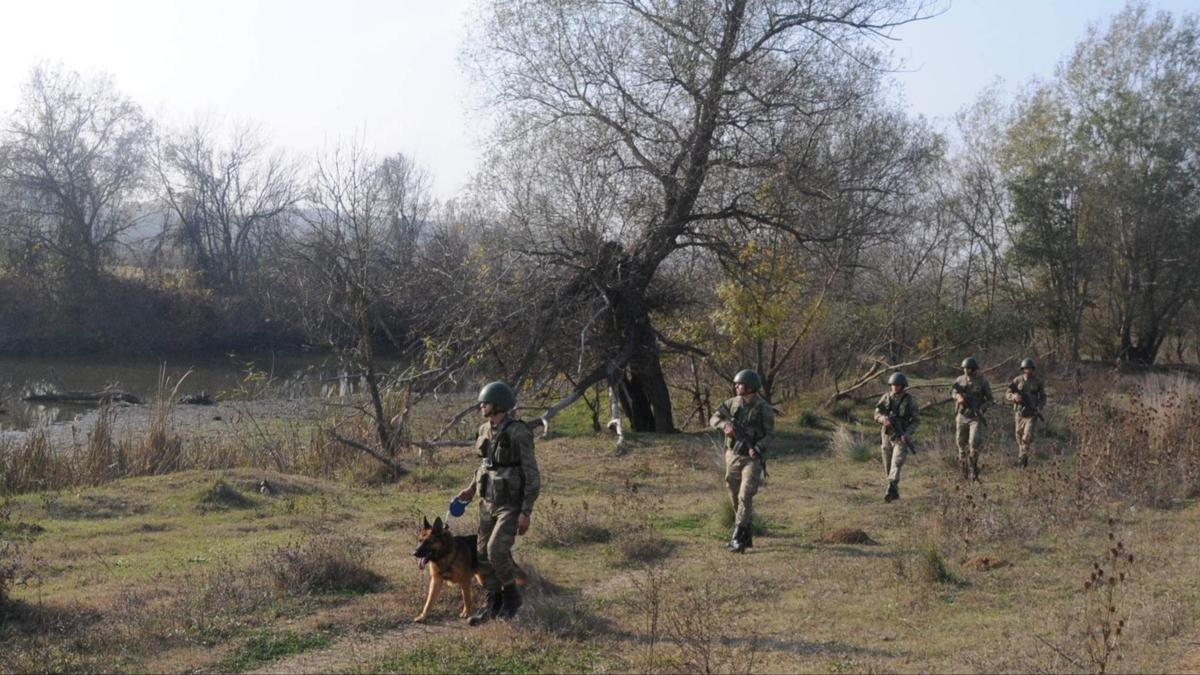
313,71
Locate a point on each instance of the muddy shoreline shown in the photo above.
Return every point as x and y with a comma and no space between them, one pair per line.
224,420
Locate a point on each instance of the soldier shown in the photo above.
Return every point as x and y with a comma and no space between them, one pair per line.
897,412
1028,395
748,422
508,482
973,395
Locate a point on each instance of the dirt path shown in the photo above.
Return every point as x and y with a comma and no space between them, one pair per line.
356,652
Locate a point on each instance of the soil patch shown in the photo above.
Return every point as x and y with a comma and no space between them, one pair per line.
848,535
985,563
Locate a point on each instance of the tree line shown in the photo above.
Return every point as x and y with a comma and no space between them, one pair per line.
675,190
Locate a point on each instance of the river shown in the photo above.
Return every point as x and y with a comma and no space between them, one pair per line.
223,376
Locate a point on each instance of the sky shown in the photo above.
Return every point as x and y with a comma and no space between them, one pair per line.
387,71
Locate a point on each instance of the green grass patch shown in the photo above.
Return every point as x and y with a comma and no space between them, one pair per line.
690,523
446,655
264,646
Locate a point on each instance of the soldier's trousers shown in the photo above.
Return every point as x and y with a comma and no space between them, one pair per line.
1025,427
742,476
895,451
497,534
971,434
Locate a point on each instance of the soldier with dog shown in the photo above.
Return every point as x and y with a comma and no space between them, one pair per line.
508,483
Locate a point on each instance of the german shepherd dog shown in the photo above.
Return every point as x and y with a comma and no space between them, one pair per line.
453,559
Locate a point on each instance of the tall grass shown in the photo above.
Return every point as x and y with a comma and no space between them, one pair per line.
1143,444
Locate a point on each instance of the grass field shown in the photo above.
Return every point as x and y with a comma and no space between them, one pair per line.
200,571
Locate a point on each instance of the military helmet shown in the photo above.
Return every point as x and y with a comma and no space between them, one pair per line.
1027,363
749,378
971,363
498,394
898,378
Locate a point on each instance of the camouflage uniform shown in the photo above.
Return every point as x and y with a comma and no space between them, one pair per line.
971,426
1033,395
508,483
743,474
902,409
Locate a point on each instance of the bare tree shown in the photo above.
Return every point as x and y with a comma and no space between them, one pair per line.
76,147
688,109
226,198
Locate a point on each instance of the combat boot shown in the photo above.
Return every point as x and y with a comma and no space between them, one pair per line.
975,469
748,538
965,468
492,604
738,545
734,539
1024,461
511,602
893,491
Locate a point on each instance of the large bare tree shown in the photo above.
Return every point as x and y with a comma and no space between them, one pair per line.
226,198
692,113
75,148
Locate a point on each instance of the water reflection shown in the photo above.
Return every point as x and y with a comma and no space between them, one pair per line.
225,377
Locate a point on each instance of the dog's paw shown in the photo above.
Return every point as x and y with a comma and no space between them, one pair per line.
420,618
465,614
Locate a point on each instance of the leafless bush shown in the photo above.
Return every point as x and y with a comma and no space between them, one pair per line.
1143,446
324,564
1105,590
564,527
699,625
636,538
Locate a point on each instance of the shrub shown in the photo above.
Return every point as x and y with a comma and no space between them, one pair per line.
564,527
933,568
851,444
324,564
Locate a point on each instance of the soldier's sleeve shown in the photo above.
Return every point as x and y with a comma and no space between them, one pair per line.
914,414
1041,394
881,410
768,427
474,484
1011,394
987,394
720,415
522,436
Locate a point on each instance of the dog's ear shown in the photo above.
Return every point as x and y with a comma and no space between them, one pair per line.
424,523
437,524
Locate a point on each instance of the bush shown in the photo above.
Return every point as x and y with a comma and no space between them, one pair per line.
851,445
564,527
933,565
1144,447
324,564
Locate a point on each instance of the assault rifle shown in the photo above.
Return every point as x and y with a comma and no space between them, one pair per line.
1026,409
966,404
743,443
898,431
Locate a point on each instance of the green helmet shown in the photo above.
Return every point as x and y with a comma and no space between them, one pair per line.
498,394
1027,363
749,378
898,378
971,363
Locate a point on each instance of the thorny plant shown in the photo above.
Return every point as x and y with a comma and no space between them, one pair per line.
1142,444
1105,590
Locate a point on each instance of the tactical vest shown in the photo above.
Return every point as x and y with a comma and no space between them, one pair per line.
501,480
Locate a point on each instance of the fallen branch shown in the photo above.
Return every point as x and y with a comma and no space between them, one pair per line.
106,396
879,367
396,469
